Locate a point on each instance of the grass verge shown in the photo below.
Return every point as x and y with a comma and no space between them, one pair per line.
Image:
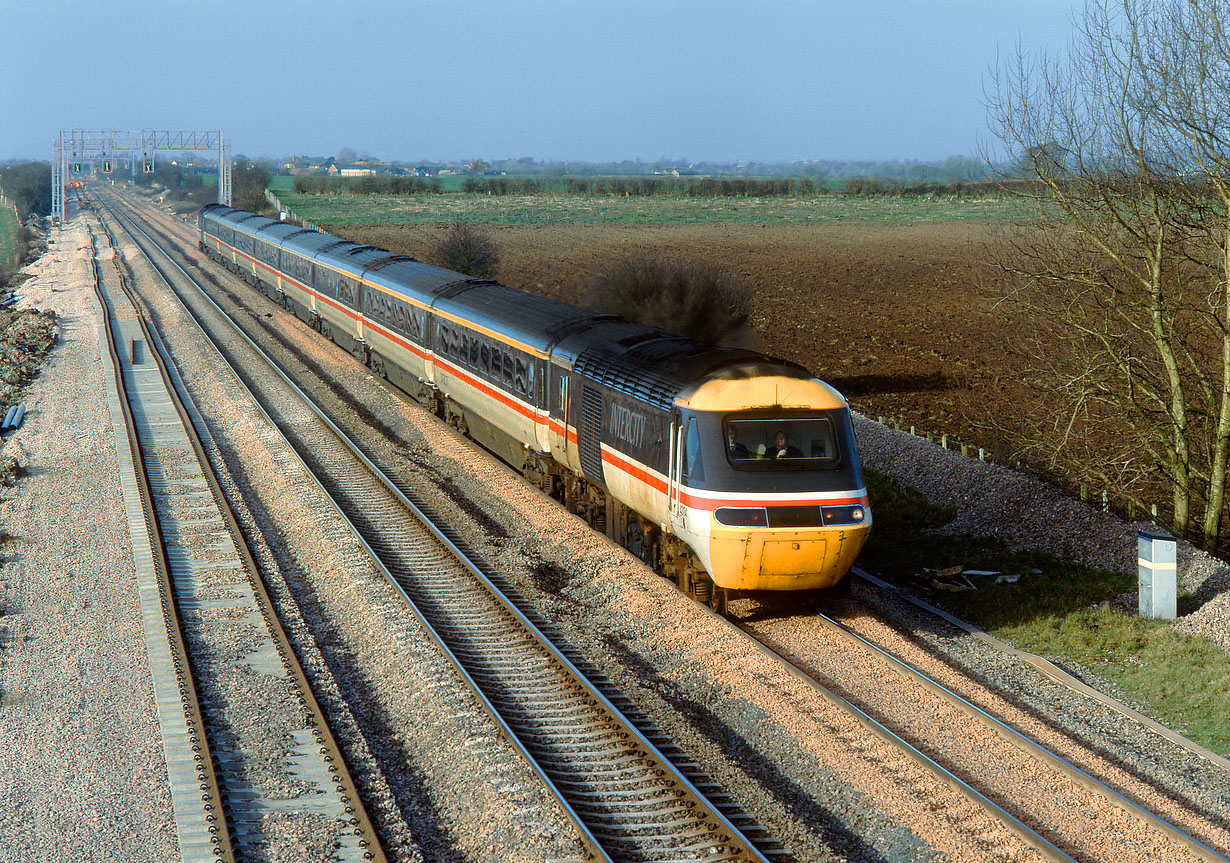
10,229
1057,609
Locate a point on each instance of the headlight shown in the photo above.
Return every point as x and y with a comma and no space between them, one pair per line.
844,515
741,516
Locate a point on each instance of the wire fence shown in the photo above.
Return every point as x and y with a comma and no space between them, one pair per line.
289,215
1106,500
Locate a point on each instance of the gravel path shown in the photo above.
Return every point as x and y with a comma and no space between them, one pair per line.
83,775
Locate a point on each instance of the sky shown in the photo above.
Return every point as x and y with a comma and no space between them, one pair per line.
554,80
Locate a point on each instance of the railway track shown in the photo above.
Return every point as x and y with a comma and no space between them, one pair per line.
620,785
1047,839
250,760
993,764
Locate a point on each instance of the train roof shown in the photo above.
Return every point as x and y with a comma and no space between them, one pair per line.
408,277
248,223
535,321
279,232
352,258
645,362
309,243
658,367
213,211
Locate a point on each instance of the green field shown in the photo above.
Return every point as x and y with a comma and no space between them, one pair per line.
9,228
607,209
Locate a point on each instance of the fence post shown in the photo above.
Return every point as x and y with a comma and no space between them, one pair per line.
944,441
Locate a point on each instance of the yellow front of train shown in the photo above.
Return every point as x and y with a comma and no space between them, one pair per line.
770,488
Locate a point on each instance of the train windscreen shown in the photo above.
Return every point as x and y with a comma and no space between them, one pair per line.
795,442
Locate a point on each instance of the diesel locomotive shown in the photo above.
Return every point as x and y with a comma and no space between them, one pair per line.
725,469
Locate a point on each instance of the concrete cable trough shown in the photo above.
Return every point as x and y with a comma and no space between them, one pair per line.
216,652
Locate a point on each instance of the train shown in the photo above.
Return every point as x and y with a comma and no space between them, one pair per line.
728,471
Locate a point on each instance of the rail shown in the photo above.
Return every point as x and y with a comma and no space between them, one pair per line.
185,507
620,789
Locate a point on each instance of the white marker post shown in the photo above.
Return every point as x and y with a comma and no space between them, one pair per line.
1156,560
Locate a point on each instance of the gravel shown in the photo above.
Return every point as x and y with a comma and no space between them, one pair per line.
992,500
755,731
436,773
437,778
84,775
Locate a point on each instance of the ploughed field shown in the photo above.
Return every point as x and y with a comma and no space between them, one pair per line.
899,316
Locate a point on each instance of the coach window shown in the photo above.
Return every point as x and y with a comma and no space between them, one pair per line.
508,369
519,380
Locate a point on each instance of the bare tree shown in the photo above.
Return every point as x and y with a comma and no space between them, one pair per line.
692,298
468,249
1127,265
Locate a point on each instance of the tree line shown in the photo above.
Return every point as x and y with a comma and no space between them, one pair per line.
688,187
28,185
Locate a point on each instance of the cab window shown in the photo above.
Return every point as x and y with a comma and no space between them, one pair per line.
693,467
795,442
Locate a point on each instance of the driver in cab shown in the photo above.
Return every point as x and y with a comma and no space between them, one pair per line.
782,448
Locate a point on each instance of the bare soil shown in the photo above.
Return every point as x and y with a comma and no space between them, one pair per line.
900,317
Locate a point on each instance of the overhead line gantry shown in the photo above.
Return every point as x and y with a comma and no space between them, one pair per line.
76,147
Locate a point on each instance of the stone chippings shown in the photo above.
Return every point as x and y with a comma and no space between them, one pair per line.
992,500
84,776
436,776
438,779
813,780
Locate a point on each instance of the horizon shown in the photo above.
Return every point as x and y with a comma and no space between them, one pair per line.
374,158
